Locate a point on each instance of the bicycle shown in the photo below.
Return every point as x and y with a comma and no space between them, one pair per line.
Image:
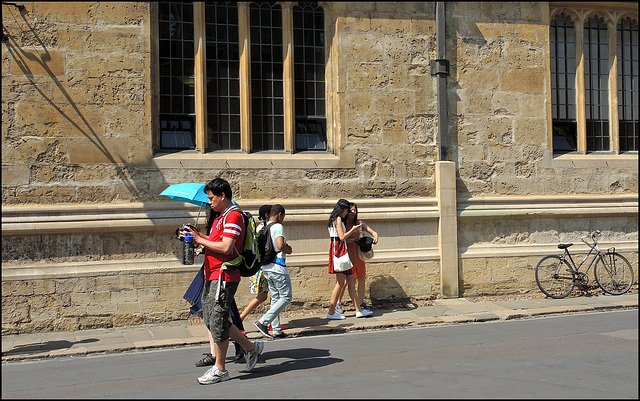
556,277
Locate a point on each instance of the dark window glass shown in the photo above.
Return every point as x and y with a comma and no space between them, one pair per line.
222,75
223,83
309,69
177,100
596,84
628,84
563,84
267,102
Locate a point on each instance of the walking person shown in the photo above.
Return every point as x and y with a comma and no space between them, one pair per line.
224,243
257,283
210,357
276,273
359,266
338,235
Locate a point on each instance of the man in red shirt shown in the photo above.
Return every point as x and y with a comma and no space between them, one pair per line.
225,242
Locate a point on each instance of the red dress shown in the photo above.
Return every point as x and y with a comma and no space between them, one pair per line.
338,248
359,267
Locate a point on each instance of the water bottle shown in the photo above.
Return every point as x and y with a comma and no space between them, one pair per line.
187,250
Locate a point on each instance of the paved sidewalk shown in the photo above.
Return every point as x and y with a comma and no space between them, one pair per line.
445,311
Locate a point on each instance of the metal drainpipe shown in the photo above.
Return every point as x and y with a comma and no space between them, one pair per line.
440,69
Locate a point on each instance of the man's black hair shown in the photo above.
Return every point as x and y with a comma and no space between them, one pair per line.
218,186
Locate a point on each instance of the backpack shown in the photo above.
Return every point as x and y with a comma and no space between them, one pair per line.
267,251
248,261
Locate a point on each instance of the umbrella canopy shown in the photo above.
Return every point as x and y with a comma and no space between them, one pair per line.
190,192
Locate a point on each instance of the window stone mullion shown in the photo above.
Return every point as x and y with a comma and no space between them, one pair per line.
580,101
200,64
244,41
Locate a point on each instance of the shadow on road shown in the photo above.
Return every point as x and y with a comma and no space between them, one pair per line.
294,359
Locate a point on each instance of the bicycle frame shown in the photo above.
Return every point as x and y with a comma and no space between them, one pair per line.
592,248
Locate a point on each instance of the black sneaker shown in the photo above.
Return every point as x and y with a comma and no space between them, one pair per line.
239,354
263,329
206,361
281,334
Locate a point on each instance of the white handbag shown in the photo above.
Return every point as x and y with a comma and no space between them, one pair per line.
342,263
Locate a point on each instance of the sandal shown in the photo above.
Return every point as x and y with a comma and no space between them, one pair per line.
206,361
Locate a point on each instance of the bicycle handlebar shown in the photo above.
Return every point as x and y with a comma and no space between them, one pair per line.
593,236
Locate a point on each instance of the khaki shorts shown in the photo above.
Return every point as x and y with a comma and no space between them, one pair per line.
216,312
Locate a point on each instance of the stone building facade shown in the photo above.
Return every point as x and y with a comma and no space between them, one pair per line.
464,206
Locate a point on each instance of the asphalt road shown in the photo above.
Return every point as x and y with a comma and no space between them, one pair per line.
590,355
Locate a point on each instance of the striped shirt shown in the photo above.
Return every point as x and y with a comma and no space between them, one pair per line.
233,228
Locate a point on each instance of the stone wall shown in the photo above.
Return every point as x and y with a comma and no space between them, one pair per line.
498,93
77,113
87,240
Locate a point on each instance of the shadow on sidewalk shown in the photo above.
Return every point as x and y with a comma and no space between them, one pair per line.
46,346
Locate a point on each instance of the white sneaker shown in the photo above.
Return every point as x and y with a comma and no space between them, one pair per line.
365,312
251,357
213,375
335,316
339,308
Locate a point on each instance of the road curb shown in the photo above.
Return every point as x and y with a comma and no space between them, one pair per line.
331,327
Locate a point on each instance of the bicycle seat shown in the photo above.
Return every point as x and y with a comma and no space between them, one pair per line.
565,246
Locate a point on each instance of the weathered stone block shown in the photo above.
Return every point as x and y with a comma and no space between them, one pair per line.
74,311
98,150
15,175
36,150
478,78
129,308
368,76
37,62
93,322
355,23
121,297
15,310
521,80
41,287
102,308
21,288
399,102
122,13
368,48
149,294
50,300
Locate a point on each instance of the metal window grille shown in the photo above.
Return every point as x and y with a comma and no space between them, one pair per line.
176,73
223,79
627,51
309,69
267,100
563,84
596,84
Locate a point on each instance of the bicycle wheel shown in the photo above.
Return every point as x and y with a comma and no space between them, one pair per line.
613,273
554,277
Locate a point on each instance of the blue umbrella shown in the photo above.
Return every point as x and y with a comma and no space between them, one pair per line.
190,192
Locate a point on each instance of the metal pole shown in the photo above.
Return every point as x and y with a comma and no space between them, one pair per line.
440,68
